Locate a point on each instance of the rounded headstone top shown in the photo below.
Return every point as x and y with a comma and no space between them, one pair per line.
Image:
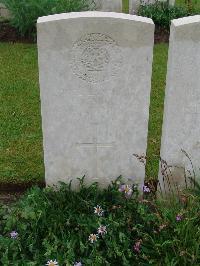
186,20
94,14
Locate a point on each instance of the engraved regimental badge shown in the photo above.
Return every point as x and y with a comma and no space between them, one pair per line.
96,57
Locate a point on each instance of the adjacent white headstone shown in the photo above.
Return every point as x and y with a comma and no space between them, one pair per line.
109,5
95,79
181,126
4,12
171,2
134,6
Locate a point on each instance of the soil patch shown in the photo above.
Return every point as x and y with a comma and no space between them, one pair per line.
10,192
161,35
10,34
9,198
19,187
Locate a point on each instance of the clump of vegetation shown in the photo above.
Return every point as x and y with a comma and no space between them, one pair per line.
91,226
162,13
26,12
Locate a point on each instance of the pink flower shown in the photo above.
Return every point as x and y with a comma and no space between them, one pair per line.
137,246
122,188
102,230
162,226
179,217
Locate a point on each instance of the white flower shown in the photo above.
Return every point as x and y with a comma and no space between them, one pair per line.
102,230
127,189
78,264
98,210
146,189
52,263
93,238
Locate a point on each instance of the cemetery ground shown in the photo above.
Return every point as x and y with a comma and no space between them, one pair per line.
124,224
116,226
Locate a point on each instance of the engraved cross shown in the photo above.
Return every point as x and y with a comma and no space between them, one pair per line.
95,145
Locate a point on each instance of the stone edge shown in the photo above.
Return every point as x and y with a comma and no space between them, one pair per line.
93,14
186,20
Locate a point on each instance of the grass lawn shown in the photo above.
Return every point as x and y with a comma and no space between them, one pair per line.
125,7
156,108
195,4
21,154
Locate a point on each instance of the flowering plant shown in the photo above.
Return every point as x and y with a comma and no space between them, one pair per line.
73,228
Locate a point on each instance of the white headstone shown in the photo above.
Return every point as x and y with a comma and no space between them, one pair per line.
95,79
171,2
4,12
109,5
134,6
181,125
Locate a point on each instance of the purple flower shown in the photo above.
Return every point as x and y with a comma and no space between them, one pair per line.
137,246
102,230
146,189
179,217
122,188
14,234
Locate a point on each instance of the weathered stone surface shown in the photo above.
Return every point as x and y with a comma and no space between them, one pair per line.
181,125
134,6
95,79
4,12
109,5
171,2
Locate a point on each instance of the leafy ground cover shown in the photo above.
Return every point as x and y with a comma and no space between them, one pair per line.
26,12
162,14
21,155
90,226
